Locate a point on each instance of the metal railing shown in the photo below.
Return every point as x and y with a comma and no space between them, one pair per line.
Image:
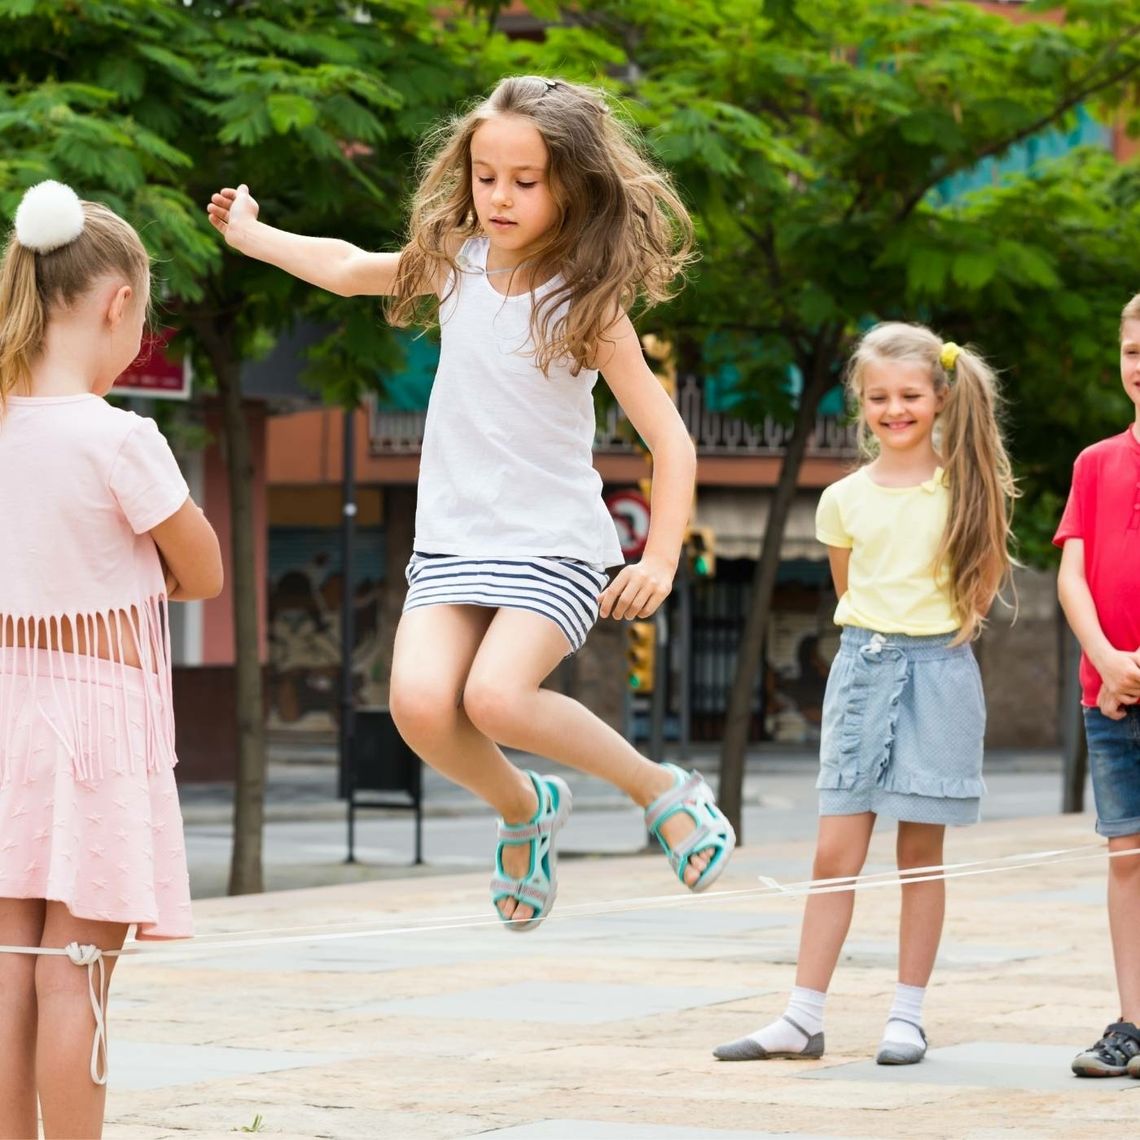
715,433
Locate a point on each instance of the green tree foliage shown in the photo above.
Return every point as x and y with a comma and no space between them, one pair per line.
150,105
818,144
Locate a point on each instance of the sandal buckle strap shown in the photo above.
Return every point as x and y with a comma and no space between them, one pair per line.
524,832
692,790
696,840
530,892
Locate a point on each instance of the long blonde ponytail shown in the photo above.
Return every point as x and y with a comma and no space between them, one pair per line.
23,320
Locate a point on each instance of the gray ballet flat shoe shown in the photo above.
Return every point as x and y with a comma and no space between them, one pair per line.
901,1052
748,1049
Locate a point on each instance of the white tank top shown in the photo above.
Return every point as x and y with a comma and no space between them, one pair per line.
506,467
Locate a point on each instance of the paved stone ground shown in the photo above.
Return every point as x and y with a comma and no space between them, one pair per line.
599,1025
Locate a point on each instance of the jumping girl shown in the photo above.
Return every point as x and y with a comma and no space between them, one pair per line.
536,225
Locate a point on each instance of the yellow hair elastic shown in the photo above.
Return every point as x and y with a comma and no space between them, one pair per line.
948,357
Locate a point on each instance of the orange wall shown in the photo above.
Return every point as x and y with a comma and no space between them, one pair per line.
305,448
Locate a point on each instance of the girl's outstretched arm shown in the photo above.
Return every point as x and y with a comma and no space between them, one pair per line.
328,263
639,589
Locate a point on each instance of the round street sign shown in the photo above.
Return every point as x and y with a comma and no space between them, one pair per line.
630,511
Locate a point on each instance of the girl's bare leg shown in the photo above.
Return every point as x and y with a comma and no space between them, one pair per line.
841,851
503,699
435,646
923,904
71,1102
21,924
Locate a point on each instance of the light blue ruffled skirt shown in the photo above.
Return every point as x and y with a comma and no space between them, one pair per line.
903,725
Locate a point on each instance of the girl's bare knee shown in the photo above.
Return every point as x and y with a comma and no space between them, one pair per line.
918,853
422,709
17,979
493,708
834,863
57,978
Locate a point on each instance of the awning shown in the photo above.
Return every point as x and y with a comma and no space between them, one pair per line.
739,519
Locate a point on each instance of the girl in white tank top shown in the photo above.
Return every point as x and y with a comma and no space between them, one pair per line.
536,226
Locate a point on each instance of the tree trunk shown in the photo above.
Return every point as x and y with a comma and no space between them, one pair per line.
249,787
738,716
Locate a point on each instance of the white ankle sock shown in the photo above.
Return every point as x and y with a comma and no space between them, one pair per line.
805,1008
905,1015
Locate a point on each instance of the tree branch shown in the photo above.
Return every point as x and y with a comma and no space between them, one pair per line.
999,145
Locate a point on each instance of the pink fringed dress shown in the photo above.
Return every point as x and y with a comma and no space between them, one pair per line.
89,811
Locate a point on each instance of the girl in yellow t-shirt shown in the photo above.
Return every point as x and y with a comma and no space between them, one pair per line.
918,540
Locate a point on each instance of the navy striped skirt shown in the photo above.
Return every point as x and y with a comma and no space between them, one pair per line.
561,589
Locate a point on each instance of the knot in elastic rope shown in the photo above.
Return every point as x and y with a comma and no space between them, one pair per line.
92,958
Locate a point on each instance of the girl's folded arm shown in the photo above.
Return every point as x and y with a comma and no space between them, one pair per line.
189,548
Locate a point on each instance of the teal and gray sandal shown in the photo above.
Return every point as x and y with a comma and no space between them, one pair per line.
539,886
693,796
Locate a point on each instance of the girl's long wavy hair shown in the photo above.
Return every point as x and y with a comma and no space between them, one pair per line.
33,285
974,554
622,236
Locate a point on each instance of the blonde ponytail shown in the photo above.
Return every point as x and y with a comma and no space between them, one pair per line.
22,318
975,545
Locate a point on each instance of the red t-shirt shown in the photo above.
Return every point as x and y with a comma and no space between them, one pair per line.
1104,511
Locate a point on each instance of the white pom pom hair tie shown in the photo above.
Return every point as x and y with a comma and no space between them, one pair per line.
50,215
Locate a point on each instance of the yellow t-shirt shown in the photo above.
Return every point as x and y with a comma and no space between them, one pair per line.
893,534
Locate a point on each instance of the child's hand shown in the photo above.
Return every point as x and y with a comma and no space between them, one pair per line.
637,591
230,211
1109,704
1120,673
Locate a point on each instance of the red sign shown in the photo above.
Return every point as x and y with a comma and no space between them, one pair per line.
154,373
630,512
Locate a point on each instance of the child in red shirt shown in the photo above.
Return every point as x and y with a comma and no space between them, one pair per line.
1099,587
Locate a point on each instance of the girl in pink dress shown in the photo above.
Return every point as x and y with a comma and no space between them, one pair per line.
99,534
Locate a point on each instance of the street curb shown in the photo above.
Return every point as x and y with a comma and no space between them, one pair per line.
210,814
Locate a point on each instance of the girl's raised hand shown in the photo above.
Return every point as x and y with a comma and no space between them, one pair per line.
230,209
637,590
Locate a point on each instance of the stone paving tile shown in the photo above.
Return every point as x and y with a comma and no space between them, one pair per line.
1091,894
603,1130
987,1064
557,1003
155,1065
1014,969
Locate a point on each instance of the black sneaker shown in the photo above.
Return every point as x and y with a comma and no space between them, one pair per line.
1109,1057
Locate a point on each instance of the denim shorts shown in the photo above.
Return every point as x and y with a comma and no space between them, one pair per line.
1114,764
903,725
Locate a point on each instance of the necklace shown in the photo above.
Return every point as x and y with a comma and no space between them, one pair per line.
468,266
507,268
